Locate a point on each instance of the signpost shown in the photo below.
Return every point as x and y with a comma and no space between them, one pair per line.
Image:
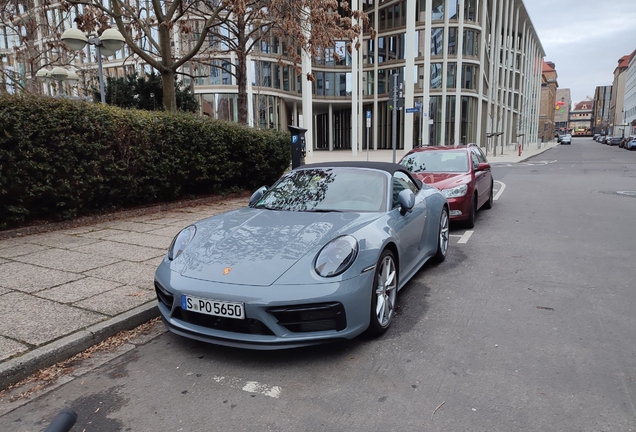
368,132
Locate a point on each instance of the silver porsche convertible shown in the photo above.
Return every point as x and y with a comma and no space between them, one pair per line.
319,256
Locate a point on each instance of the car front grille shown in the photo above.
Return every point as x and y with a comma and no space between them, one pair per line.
164,296
246,326
312,317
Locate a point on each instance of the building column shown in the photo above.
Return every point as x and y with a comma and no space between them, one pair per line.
330,126
409,78
355,68
307,103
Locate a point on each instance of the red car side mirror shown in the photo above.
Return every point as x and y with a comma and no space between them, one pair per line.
483,166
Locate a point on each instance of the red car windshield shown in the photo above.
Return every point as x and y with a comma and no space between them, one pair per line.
436,161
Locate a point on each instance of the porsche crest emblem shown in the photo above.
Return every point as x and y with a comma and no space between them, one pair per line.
226,270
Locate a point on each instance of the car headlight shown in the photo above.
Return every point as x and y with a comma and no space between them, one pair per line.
181,241
456,192
336,256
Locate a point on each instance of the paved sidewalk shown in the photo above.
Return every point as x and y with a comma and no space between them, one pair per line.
509,155
66,290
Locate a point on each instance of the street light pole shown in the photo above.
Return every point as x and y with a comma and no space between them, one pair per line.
107,44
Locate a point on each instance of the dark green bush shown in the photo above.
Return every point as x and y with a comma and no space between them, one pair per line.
60,159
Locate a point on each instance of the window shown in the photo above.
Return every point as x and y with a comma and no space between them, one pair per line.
470,43
436,75
451,75
401,182
437,41
470,10
469,80
452,41
437,13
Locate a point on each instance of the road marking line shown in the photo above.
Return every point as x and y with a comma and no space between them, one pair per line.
465,237
249,386
454,235
500,191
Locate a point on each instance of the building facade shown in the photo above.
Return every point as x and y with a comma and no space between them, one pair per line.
629,103
618,97
473,67
581,118
562,108
602,105
549,85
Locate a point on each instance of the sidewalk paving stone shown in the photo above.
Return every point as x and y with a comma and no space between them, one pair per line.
116,301
22,249
121,251
58,240
78,290
127,273
9,348
30,278
133,226
36,321
61,259
142,239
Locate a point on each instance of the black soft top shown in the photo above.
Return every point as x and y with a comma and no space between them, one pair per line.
389,167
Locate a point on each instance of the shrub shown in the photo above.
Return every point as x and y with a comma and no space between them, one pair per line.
60,159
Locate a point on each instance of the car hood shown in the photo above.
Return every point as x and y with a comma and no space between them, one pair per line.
442,180
256,247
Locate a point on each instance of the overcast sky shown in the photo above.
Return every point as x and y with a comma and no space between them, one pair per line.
584,39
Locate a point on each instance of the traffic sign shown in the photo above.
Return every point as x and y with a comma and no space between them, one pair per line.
368,119
413,110
418,104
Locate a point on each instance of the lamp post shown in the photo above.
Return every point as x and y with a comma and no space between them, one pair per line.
107,44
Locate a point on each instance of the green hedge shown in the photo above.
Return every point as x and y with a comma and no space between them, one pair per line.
60,159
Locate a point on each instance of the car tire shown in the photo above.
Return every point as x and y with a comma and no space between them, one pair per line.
470,222
442,237
491,200
383,294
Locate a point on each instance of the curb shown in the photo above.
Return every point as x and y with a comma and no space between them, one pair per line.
19,368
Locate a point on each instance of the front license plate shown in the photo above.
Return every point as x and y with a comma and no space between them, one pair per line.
213,307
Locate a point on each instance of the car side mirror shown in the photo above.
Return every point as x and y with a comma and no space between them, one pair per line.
483,166
406,200
256,196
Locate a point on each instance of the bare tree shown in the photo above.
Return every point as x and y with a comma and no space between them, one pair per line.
169,34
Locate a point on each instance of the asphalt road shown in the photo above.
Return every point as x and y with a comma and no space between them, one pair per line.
529,325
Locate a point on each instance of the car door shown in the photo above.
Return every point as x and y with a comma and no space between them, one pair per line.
409,228
483,179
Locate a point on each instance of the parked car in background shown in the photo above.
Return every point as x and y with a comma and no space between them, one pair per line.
319,256
631,143
614,141
560,137
461,173
567,139
606,139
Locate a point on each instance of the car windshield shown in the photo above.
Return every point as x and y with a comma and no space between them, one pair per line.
436,161
328,189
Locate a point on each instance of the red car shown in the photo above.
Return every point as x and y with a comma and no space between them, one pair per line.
461,173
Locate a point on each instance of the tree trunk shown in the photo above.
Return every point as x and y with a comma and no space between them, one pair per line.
167,71
169,93
241,70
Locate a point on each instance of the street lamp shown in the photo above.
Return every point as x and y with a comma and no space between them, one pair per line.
58,74
107,44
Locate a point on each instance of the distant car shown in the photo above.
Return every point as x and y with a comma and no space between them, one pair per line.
606,139
595,136
567,139
614,141
631,144
461,173
319,256
560,137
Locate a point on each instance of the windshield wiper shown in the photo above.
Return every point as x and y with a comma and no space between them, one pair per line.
323,211
263,206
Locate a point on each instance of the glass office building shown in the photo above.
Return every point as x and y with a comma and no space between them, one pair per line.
473,67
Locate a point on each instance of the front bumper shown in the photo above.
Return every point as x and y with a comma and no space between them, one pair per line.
459,207
276,316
